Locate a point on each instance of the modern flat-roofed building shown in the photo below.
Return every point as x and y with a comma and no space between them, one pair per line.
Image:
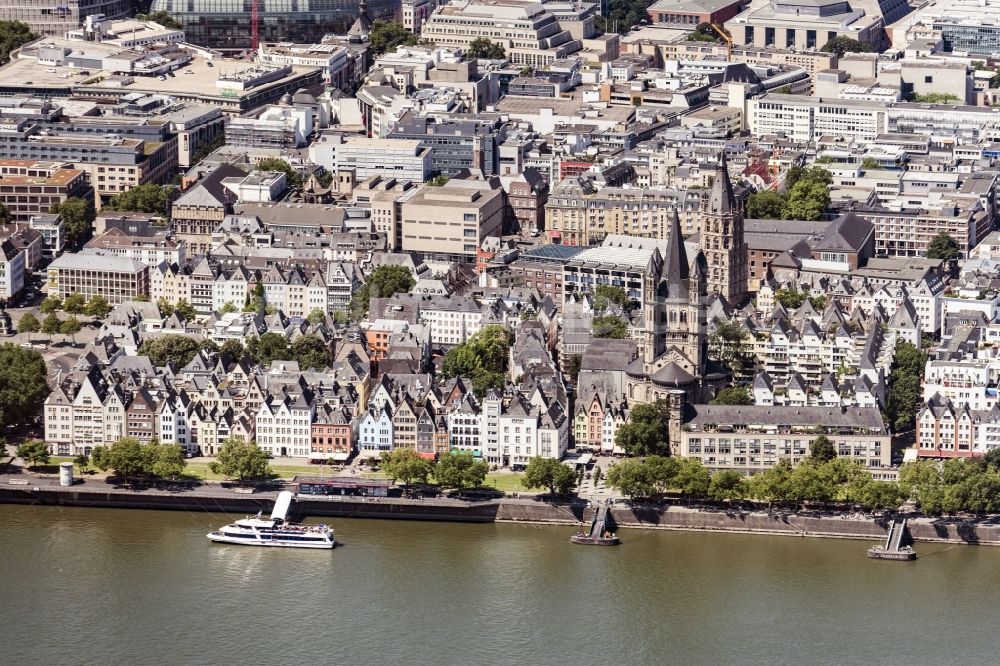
752,439
404,159
450,222
689,13
529,33
457,142
29,188
809,24
48,18
117,279
806,119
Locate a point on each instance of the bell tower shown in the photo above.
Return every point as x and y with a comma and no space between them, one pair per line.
722,239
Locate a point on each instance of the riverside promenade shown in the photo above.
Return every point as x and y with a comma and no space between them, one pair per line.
215,498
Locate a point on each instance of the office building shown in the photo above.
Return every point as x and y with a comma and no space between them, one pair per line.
30,188
117,279
452,221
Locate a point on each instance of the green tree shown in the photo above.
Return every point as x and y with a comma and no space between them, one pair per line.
185,310
663,472
461,361
70,327
316,316
28,324
904,386
920,481
149,198
730,344
728,485
99,457
167,461
806,201
606,294
242,461
841,45
51,324
406,465
492,345
822,450
165,306
13,35
78,216
870,163
292,177
876,495
51,304
269,347
127,457
943,247
610,326
459,469
704,32
631,478
310,352
549,473
97,307
227,308
438,181
82,461
790,299
818,302
34,452
177,348
692,478
733,395
766,205
809,483
484,380
74,303
233,349
772,485
385,36
646,430
481,47
388,280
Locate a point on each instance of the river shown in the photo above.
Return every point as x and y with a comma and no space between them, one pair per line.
100,586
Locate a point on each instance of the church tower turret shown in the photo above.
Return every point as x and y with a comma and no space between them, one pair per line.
722,239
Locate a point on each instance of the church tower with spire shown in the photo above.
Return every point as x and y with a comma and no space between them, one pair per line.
722,239
674,316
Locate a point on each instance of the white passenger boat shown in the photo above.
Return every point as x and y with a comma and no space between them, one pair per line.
274,531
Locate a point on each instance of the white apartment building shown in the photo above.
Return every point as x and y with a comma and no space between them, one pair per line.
415,12
375,433
12,263
284,426
452,320
402,159
806,119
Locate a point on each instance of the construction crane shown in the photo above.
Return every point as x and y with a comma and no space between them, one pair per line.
254,25
722,33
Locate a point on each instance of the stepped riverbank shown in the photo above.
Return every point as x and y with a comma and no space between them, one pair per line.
216,498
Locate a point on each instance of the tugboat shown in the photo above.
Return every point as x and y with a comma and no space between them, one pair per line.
599,535
892,550
274,531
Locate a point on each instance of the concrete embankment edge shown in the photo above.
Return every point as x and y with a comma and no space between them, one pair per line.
949,531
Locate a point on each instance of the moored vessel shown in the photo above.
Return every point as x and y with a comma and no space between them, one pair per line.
275,531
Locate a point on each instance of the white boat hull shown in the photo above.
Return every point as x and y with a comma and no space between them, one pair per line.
219,537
